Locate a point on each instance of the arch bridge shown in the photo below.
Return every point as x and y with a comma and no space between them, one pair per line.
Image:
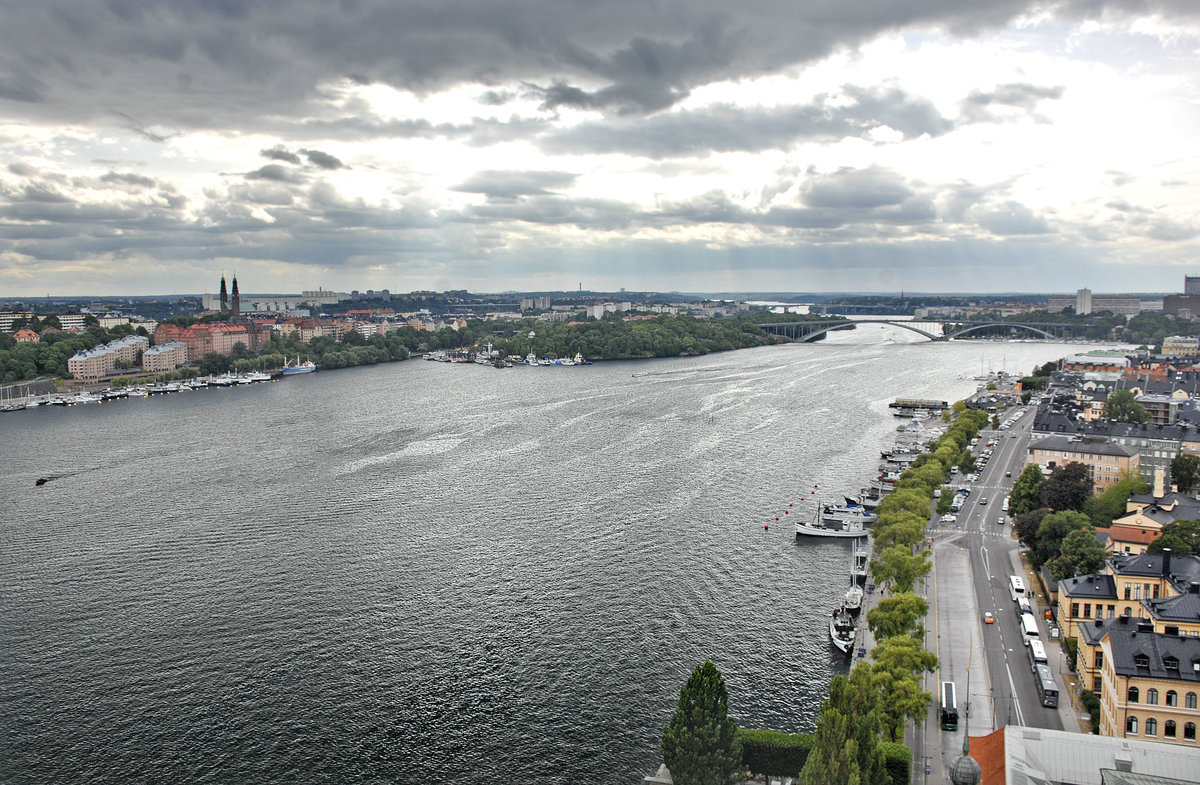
809,330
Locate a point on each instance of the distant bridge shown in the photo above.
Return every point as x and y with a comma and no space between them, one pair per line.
809,331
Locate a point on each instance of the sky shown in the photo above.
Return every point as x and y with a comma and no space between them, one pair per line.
150,146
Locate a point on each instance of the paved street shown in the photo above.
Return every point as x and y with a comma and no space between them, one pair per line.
980,553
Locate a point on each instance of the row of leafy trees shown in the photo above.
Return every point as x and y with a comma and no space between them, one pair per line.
864,716
863,719
1056,517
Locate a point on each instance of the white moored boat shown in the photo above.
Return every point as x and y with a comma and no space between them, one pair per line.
852,528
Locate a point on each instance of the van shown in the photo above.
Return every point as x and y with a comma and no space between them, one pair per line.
954,470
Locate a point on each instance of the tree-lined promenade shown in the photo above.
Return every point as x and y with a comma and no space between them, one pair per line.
861,724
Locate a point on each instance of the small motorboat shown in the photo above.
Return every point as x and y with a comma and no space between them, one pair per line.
42,481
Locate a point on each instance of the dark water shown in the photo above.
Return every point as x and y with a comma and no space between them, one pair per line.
429,573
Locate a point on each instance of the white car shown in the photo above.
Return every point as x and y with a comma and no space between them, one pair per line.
949,518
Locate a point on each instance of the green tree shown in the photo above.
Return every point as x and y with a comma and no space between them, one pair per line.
1053,531
1027,525
1067,488
1122,406
1182,537
900,698
896,615
898,567
213,364
1081,555
700,744
904,653
1185,467
846,745
1110,504
1026,492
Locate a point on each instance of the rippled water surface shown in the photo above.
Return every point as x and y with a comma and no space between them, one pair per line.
429,573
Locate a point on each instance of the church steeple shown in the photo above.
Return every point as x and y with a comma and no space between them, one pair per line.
237,299
224,295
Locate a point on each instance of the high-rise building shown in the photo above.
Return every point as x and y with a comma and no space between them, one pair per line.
1083,302
1191,284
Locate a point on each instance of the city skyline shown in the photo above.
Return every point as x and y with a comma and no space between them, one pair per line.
534,146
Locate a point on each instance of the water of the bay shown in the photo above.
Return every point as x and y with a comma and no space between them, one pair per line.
431,573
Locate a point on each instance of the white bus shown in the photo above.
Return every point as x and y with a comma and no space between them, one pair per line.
1029,628
1037,654
1016,588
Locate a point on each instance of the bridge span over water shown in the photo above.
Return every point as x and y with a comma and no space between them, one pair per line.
809,330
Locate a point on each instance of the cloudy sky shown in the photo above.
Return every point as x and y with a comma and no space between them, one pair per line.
695,145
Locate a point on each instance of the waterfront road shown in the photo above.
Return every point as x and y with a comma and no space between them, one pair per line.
980,552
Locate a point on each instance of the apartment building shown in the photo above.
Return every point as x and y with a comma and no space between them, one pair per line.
1107,462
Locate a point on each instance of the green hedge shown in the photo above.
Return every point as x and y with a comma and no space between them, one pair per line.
897,760
774,753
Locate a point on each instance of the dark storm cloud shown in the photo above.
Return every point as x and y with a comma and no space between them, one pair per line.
738,129
177,65
856,188
1012,218
278,153
124,178
1025,97
322,160
277,173
510,185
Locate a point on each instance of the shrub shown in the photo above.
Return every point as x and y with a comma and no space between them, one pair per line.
774,753
897,761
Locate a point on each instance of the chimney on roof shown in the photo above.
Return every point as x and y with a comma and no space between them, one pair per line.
1194,587
1166,565
1098,621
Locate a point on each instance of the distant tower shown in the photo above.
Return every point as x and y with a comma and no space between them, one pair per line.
1191,284
237,299
1083,302
224,296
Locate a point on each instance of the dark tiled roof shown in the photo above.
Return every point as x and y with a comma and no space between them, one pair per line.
1093,587
1152,649
1183,569
1066,444
1092,631
1181,609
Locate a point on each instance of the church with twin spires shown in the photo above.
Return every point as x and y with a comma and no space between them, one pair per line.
234,309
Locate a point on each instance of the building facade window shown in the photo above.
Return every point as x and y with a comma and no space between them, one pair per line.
1171,698
1074,610
1097,684
1152,699
1098,660
1128,590
1189,731
1189,700
1134,695
1151,726
1169,729
1131,726
1087,610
